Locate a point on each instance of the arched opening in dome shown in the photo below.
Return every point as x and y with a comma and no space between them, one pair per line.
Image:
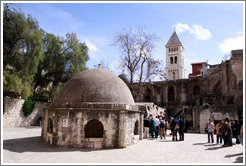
136,128
94,129
50,125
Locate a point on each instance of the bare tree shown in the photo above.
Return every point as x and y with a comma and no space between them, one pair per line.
137,46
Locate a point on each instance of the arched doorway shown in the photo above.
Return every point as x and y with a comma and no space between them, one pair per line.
196,90
50,125
40,120
136,128
94,129
171,94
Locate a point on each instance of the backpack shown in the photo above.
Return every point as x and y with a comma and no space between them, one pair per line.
162,125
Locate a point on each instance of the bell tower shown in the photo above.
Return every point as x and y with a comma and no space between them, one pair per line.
174,58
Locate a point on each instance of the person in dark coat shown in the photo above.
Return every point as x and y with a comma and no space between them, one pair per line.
224,130
229,135
181,129
236,131
173,128
152,127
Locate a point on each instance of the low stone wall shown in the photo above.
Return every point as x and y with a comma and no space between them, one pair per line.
14,116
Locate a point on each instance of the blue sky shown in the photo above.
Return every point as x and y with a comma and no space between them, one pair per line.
207,30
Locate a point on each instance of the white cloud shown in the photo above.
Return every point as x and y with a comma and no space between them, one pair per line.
239,33
197,30
232,44
91,46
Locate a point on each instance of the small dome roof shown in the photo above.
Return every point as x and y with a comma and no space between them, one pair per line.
95,85
125,78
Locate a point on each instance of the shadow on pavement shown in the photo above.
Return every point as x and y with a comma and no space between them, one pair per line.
214,148
211,145
36,144
239,160
200,143
233,155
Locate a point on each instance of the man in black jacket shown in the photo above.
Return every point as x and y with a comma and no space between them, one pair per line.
146,127
181,129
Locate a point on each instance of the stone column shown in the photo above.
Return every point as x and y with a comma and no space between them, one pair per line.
141,126
194,117
45,124
122,130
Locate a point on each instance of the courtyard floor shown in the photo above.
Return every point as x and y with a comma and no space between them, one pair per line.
24,145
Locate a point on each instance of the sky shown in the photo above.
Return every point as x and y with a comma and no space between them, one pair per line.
208,31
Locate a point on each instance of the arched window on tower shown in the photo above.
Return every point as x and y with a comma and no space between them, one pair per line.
94,129
175,60
169,49
171,60
171,94
173,75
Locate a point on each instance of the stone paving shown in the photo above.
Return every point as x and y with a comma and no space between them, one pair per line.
24,145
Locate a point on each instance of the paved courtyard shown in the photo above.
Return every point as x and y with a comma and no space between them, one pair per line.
24,145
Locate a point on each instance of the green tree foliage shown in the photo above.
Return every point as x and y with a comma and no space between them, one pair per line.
37,63
22,52
28,106
63,58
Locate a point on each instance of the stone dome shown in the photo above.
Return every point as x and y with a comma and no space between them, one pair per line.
125,78
95,85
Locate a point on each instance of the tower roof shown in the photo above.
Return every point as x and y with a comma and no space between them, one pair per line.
174,40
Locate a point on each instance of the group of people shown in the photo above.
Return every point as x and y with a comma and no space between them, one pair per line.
177,126
157,126
225,130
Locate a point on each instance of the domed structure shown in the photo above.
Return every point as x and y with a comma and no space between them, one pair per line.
125,78
94,85
94,109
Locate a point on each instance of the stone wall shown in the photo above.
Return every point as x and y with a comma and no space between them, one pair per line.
14,117
68,127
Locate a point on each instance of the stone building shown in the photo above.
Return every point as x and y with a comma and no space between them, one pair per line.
212,91
95,109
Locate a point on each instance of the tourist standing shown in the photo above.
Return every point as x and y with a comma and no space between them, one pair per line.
166,123
162,128
236,131
146,127
181,129
210,126
218,133
152,127
174,129
157,123
229,133
224,131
